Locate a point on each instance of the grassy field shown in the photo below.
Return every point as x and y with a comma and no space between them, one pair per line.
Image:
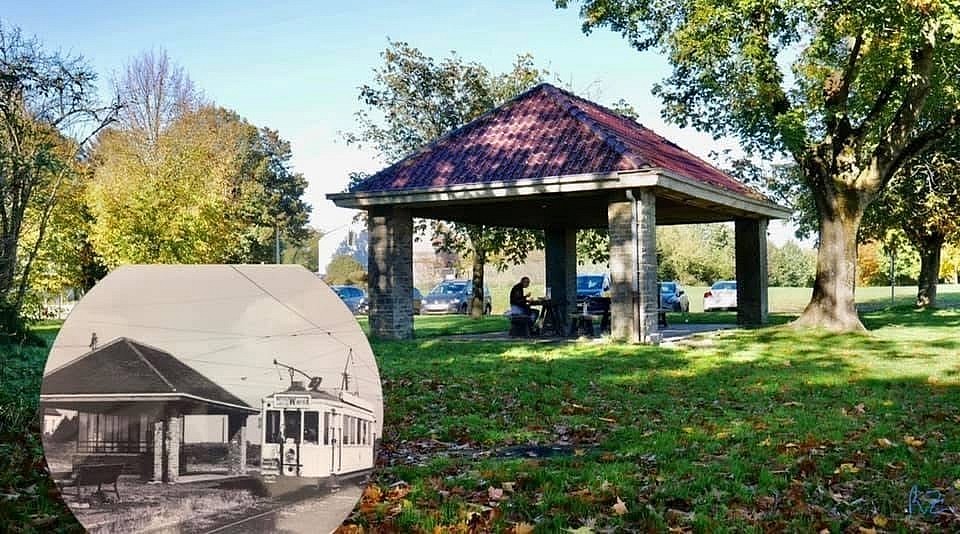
763,430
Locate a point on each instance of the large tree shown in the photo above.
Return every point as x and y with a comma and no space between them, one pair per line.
211,189
413,100
923,201
48,110
848,90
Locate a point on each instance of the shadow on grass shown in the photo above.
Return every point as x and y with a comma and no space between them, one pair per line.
771,428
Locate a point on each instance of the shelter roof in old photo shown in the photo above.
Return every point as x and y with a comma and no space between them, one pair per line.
126,366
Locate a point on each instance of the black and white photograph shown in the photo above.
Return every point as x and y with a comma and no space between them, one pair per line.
196,398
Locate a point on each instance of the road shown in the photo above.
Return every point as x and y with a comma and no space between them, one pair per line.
313,515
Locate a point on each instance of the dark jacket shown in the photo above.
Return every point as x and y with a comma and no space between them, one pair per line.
517,298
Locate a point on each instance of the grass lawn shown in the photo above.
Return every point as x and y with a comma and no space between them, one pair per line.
764,430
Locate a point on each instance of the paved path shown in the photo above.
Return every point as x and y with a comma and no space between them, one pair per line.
674,332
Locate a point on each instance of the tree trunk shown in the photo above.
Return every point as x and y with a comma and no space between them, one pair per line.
477,301
832,305
929,248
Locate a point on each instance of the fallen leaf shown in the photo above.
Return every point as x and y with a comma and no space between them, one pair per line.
508,486
885,443
522,528
765,443
913,442
579,452
495,494
620,507
847,468
793,403
880,521
605,486
865,530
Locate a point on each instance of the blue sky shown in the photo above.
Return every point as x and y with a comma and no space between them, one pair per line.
296,66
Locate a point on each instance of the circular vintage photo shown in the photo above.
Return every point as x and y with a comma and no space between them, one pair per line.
211,398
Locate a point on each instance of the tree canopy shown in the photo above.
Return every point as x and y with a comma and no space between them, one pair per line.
49,108
413,100
849,91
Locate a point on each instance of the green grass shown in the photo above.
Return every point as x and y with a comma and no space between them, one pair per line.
28,498
770,429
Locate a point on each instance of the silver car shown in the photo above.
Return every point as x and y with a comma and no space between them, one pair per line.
721,296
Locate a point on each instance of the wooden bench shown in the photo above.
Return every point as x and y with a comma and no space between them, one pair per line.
99,474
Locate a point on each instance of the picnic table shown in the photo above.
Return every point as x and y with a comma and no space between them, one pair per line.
551,317
99,474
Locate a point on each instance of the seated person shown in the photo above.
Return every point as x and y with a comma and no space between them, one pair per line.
520,302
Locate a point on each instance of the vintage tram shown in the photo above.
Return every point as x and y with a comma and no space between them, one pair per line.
316,433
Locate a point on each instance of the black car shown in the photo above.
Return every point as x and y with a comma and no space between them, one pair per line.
453,296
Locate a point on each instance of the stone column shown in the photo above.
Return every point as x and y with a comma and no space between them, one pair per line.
561,267
172,437
649,297
237,444
158,456
390,273
632,221
751,249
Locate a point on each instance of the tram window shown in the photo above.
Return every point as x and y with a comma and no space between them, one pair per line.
311,424
346,429
363,432
291,425
272,428
326,428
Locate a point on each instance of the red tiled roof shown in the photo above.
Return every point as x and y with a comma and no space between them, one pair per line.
125,366
543,132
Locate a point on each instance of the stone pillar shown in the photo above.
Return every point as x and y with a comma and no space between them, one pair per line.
561,267
390,273
751,249
649,296
158,456
632,220
237,444
172,438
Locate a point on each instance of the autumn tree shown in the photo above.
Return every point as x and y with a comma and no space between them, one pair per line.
213,190
344,270
413,100
155,92
849,91
49,108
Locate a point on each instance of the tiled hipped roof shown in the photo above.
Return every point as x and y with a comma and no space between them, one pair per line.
543,132
125,366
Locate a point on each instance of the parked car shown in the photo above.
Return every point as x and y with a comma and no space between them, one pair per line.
352,296
453,296
364,307
593,287
673,297
722,295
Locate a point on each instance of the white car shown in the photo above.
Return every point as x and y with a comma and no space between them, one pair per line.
721,296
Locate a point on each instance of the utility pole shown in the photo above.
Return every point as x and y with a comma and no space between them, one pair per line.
277,241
